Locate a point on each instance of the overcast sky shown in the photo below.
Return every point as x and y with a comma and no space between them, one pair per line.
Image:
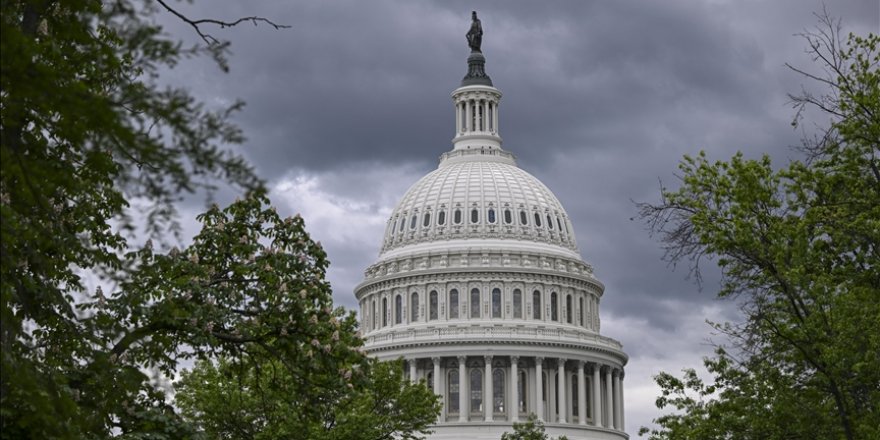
351,105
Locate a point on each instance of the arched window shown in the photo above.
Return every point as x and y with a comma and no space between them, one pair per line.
549,222
568,311
574,396
427,220
432,305
398,309
414,307
491,215
456,216
537,220
453,304
517,304
498,390
452,390
536,305
429,378
475,303
554,304
384,312
441,218
475,216
476,390
558,224
523,219
581,306
496,303
521,405
412,222
507,217
402,222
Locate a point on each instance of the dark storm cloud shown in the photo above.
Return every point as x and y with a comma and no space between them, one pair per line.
351,105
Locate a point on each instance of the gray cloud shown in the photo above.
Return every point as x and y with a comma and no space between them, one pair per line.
601,99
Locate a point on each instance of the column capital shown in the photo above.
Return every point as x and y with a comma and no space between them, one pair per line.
461,359
514,360
539,360
581,363
435,359
488,358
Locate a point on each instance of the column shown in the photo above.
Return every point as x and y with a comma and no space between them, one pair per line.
495,118
412,370
560,390
488,402
437,390
597,397
609,399
457,118
467,115
620,403
539,387
582,397
485,115
462,397
514,389
617,400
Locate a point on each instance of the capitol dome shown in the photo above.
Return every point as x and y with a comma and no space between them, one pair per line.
480,286
479,194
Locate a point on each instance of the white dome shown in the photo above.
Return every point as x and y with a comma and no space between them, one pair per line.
479,195
479,285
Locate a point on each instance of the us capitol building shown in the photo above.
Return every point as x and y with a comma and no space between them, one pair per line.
480,287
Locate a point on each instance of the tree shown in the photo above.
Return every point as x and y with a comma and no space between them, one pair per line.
266,402
531,429
799,248
87,132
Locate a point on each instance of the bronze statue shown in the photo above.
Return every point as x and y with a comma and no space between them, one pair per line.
475,34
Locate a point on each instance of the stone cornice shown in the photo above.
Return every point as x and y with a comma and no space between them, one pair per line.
535,337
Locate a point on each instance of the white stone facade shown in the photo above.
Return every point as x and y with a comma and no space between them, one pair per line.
480,287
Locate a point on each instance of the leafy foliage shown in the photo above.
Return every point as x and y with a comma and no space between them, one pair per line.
87,132
531,429
798,247
265,401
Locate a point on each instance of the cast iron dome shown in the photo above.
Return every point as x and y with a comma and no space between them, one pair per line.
480,286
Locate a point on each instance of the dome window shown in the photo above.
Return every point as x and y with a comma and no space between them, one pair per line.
536,305
475,216
523,219
475,303
507,217
427,221
559,224
432,305
456,217
491,215
453,304
402,222
441,218
412,222
517,303
496,303
537,220
549,222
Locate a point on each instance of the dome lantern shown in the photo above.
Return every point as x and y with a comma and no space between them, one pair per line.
476,100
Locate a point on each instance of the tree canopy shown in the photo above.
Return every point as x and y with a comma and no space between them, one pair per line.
799,249
530,429
88,136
